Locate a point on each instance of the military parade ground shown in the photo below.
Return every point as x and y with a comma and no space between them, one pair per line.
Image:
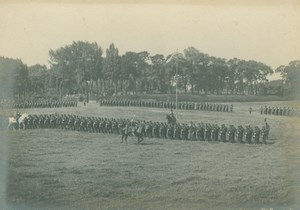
150,105
180,170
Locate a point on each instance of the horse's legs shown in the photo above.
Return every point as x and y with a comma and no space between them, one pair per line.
21,124
140,139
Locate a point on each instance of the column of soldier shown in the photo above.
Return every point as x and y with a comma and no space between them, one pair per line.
179,131
168,105
39,104
282,111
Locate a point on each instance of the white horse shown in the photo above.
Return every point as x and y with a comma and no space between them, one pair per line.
14,124
22,119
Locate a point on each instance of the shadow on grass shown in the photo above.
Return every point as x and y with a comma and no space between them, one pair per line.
149,143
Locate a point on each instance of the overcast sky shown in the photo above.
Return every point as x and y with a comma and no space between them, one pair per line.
265,33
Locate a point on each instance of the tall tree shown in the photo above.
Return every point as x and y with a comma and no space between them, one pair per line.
76,66
38,76
14,79
291,76
111,68
158,77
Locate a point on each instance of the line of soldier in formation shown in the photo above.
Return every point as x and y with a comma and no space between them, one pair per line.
179,131
282,111
169,105
39,104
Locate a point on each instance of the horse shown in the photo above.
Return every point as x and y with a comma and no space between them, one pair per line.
17,124
171,119
12,123
130,131
22,121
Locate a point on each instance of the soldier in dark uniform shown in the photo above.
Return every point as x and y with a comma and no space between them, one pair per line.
215,132
191,131
169,131
267,129
231,133
273,110
276,112
207,132
240,134
223,133
281,111
248,134
256,135
264,135
266,110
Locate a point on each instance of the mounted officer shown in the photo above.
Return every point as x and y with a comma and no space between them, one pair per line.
171,118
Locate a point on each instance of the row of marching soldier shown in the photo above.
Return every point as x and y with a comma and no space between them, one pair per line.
217,107
149,129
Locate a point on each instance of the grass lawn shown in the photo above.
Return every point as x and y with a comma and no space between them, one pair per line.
62,169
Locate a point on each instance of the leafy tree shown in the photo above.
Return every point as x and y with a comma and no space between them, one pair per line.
158,77
290,77
111,68
76,65
38,76
14,79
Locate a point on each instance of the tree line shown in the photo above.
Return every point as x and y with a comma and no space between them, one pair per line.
81,68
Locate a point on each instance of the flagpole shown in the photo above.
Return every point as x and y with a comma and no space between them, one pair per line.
176,86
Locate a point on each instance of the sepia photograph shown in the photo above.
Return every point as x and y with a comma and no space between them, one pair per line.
163,105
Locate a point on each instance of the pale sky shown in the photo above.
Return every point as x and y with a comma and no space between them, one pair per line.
265,33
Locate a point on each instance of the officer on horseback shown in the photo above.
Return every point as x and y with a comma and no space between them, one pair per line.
17,116
172,114
171,118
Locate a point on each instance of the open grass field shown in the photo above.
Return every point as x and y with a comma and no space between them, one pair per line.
58,169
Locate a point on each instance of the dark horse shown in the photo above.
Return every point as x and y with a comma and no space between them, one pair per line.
130,131
171,119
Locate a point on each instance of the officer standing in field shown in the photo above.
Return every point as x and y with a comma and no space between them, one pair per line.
250,110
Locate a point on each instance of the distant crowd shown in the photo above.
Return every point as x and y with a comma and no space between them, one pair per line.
215,107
